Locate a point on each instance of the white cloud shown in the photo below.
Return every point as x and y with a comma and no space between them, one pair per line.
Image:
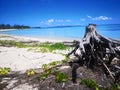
41,22
68,20
100,18
47,22
50,20
89,16
82,19
55,21
60,20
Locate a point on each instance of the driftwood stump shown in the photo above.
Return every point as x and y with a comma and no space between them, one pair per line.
97,50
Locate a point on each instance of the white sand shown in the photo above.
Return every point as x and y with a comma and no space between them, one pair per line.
20,59
7,29
40,39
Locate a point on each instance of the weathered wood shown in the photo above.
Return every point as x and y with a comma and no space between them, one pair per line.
95,49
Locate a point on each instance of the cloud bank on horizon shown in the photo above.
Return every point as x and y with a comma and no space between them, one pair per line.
50,22
99,18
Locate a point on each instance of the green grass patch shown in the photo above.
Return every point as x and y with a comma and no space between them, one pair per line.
59,46
40,47
115,86
60,77
90,83
46,47
10,43
4,71
45,74
30,72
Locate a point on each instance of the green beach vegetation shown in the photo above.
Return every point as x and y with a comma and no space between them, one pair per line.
10,43
39,47
8,26
4,71
49,69
48,47
91,83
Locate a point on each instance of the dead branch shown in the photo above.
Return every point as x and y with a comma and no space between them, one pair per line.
95,49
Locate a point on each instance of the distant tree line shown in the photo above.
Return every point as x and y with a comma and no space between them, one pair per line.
8,26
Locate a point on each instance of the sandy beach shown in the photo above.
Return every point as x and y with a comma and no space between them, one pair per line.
21,59
39,39
7,29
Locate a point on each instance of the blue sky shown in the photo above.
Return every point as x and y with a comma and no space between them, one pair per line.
59,12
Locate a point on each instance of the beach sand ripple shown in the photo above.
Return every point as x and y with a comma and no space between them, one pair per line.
20,59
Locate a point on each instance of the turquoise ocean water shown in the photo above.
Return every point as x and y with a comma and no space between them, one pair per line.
112,31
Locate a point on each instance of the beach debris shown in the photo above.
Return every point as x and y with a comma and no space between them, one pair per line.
96,50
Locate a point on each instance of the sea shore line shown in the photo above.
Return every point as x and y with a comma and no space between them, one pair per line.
39,39
7,29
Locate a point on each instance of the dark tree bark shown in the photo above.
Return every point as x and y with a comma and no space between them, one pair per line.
95,49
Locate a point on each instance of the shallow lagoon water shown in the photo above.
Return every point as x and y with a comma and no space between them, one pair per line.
112,31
